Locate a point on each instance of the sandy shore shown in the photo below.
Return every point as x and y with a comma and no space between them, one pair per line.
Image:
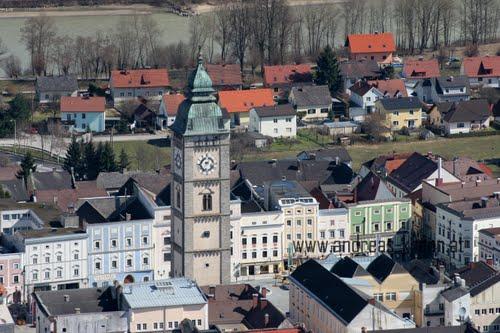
80,11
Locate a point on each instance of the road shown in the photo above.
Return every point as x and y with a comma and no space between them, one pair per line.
58,147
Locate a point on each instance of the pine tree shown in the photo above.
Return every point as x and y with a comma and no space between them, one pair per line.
73,161
124,161
28,166
91,163
107,159
328,71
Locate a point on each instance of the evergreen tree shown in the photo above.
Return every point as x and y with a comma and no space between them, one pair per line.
20,108
91,163
98,156
328,71
124,161
28,166
107,160
73,161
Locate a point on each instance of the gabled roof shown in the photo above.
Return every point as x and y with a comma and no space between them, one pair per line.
348,268
68,198
488,66
412,172
455,292
478,276
53,180
424,273
462,167
390,88
280,110
383,266
371,43
225,74
400,103
57,83
477,109
172,103
361,88
82,104
139,78
372,188
341,299
285,74
331,154
243,100
360,69
311,96
111,209
421,69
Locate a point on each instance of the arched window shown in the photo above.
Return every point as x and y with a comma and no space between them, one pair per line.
207,202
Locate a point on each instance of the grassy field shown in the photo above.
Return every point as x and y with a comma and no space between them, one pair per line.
150,155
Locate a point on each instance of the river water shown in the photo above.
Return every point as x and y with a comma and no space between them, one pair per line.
174,28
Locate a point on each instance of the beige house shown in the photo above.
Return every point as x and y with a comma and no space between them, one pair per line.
163,304
323,302
400,112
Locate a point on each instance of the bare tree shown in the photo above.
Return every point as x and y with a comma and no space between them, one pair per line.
37,34
62,54
12,66
297,42
151,35
198,35
223,26
240,17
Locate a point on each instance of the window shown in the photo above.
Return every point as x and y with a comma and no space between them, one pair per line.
264,239
289,130
145,240
484,311
322,234
264,254
395,123
378,297
97,265
76,272
311,111
388,226
129,262
35,260
178,198
390,296
357,229
254,240
166,240
205,234
309,221
75,256
166,256
114,264
254,255
341,233
299,236
97,245
275,239
244,241
145,261
128,241
288,236
460,125
358,213
368,98
324,110
275,131
376,227
83,115
299,222
207,202
16,279
275,253
35,276
288,222
244,255
113,243
47,275
332,233
411,111
288,120
59,274
309,235
47,259
275,120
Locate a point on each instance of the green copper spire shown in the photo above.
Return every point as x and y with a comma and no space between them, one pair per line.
199,113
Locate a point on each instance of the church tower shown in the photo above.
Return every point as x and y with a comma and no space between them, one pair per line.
200,186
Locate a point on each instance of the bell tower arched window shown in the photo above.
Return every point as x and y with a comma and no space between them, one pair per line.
207,202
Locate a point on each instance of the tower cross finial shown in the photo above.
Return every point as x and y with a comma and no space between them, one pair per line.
200,55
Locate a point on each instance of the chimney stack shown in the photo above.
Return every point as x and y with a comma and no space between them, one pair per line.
263,303
266,319
264,292
255,300
489,261
441,273
371,301
77,310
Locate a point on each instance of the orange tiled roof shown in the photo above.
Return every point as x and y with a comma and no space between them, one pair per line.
82,104
482,66
138,78
421,69
226,74
392,165
390,87
371,43
282,74
244,100
172,103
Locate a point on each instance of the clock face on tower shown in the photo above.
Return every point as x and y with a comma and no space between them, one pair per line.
206,164
178,160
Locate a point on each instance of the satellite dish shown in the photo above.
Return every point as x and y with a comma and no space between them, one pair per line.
462,311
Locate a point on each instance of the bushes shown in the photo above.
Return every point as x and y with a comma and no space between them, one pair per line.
471,134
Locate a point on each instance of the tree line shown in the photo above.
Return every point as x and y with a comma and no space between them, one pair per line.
86,160
255,33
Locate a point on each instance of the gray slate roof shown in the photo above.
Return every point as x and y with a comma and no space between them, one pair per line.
468,111
161,293
400,103
280,110
67,83
360,69
454,293
312,96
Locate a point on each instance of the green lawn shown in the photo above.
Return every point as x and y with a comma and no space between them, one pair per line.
152,154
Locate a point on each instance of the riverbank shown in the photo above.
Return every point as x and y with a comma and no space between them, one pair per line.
117,10
72,11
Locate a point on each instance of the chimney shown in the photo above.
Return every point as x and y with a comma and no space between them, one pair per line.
489,261
66,298
264,292
450,78
440,168
337,160
456,279
263,303
77,310
255,300
371,301
211,292
441,273
266,319
128,216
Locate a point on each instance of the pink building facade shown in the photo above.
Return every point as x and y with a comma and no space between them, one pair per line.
11,275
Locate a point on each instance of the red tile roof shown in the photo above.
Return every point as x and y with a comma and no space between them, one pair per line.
244,100
421,69
82,104
371,43
138,78
390,87
283,74
225,75
482,66
172,103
